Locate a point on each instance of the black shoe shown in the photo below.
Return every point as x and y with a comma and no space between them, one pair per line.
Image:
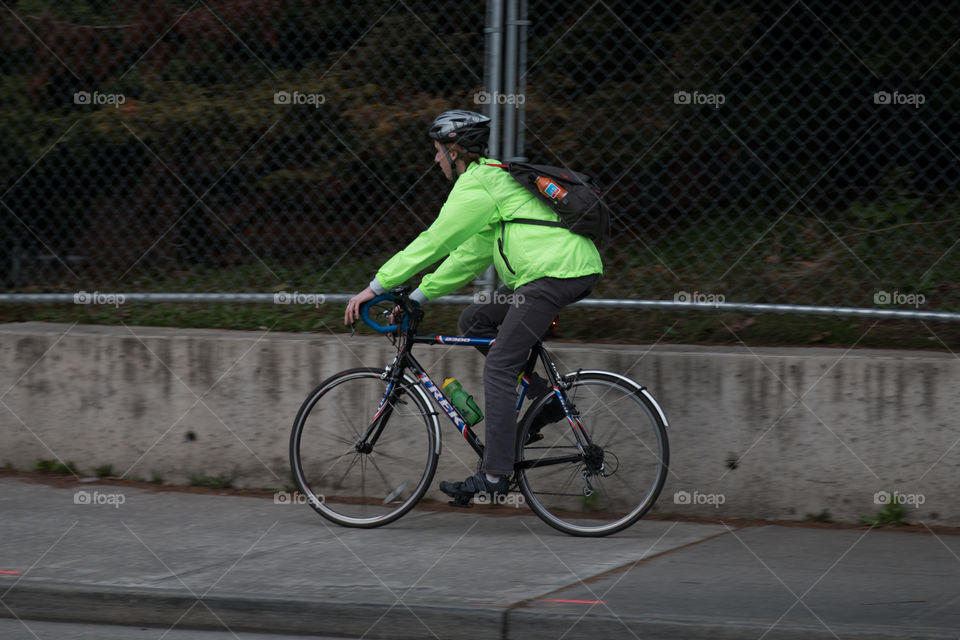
461,492
550,413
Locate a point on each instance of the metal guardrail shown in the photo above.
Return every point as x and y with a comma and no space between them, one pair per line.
313,299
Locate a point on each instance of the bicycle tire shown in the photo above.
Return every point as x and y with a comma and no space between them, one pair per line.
627,425
363,489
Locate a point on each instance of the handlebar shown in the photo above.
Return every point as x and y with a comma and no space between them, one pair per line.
411,311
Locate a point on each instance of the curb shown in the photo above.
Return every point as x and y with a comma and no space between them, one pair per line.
166,608
527,625
61,602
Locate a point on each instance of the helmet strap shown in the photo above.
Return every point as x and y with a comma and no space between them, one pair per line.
453,167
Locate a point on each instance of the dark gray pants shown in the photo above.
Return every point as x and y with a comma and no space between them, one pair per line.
517,319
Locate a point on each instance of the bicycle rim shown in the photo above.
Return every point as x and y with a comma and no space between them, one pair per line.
628,467
363,489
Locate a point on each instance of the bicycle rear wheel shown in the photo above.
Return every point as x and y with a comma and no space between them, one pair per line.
355,485
624,470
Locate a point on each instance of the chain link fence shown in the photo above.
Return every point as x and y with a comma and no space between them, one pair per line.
771,152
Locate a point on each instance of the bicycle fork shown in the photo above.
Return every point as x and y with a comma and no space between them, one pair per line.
393,373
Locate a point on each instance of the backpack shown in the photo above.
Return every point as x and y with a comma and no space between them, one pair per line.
574,197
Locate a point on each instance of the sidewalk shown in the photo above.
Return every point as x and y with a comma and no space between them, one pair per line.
247,564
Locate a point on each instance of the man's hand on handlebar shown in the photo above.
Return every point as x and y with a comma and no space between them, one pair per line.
352,314
396,314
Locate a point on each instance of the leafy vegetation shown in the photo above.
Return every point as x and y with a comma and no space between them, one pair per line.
892,513
104,471
219,481
198,180
54,466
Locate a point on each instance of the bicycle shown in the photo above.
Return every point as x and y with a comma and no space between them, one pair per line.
366,442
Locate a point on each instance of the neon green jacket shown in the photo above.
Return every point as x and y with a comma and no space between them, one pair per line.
469,232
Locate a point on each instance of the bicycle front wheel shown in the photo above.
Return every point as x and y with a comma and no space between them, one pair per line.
616,479
348,477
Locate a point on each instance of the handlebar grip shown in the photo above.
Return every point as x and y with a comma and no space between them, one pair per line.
376,326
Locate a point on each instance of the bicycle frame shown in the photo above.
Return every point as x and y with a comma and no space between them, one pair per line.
405,361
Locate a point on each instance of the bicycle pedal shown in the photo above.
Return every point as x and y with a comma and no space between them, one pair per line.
462,501
536,437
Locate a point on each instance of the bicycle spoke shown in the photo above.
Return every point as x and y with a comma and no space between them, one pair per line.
349,422
342,440
390,456
364,485
346,454
574,471
363,480
624,437
386,482
356,457
623,425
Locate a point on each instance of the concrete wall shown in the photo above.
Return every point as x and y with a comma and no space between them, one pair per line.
770,433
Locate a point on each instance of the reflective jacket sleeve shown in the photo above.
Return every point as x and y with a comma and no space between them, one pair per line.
467,211
461,266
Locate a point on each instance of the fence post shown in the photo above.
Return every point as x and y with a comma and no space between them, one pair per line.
523,23
492,75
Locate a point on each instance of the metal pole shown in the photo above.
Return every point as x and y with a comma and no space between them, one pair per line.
492,74
510,83
522,23
97,298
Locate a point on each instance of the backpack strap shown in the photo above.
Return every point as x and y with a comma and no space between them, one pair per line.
542,223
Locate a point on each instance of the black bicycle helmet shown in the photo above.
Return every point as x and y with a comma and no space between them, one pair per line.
468,129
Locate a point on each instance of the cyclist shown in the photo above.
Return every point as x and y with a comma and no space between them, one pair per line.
543,268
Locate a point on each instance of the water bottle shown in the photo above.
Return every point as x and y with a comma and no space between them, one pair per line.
463,401
551,189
